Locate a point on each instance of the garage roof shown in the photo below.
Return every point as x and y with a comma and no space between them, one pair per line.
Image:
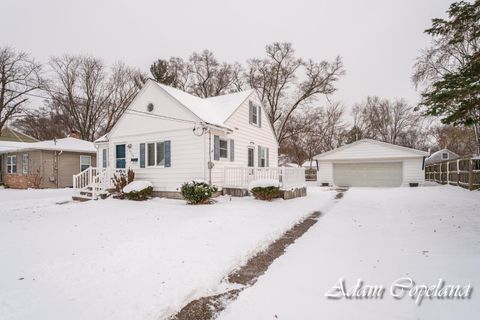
369,149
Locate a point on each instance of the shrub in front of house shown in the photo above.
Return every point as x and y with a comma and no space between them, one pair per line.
198,192
122,179
138,190
267,189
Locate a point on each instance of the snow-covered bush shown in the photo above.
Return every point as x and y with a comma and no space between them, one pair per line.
266,189
138,190
198,192
121,179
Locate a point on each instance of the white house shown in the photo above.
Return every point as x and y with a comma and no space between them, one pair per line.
371,163
169,137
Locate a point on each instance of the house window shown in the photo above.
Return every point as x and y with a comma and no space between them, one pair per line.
251,157
85,162
254,114
263,156
445,156
223,148
160,154
25,163
120,156
12,164
155,154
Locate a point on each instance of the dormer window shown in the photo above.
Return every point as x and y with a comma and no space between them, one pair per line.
255,114
444,155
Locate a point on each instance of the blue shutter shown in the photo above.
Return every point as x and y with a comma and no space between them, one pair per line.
216,148
232,150
167,153
268,158
259,116
250,112
259,156
142,155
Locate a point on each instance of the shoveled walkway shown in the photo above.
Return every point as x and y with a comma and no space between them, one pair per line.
206,308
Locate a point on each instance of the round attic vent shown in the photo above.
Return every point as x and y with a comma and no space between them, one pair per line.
150,107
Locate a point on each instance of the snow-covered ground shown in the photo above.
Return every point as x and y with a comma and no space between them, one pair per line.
378,236
113,259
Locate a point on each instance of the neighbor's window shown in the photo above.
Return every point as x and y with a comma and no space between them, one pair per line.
120,156
155,154
223,148
85,162
445,155
12,164
25,163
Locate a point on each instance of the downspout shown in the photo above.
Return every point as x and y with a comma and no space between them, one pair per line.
57,157
209,157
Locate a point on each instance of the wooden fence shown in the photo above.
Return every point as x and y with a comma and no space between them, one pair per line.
311,174
463,172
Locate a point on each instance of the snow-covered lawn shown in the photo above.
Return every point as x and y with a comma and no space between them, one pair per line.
113,259
378,236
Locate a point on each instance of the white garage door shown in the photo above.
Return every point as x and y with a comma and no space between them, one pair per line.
378,174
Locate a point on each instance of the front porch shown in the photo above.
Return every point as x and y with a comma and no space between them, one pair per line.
93,182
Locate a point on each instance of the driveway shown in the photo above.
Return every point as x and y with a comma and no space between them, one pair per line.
377,236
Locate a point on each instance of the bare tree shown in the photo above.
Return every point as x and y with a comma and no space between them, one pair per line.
42,124
314,131
389,121
276,80
460,140
89,97
19,76
201,75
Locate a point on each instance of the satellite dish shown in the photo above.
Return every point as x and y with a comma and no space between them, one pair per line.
150,107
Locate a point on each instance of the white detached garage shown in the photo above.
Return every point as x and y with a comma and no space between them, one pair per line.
371,163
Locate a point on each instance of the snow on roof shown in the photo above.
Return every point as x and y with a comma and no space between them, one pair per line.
381,143
6,146
65,144
214,110
442,151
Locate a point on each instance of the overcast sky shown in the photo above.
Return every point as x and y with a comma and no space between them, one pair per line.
378,39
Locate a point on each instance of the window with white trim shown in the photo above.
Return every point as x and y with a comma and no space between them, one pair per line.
25,163
12,164
223,149
85,162
263,157
445,156
155,154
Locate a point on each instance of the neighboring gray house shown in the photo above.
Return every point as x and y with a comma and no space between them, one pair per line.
44,164
441,155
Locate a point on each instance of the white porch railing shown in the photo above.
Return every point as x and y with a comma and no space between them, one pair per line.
92,181
241,177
